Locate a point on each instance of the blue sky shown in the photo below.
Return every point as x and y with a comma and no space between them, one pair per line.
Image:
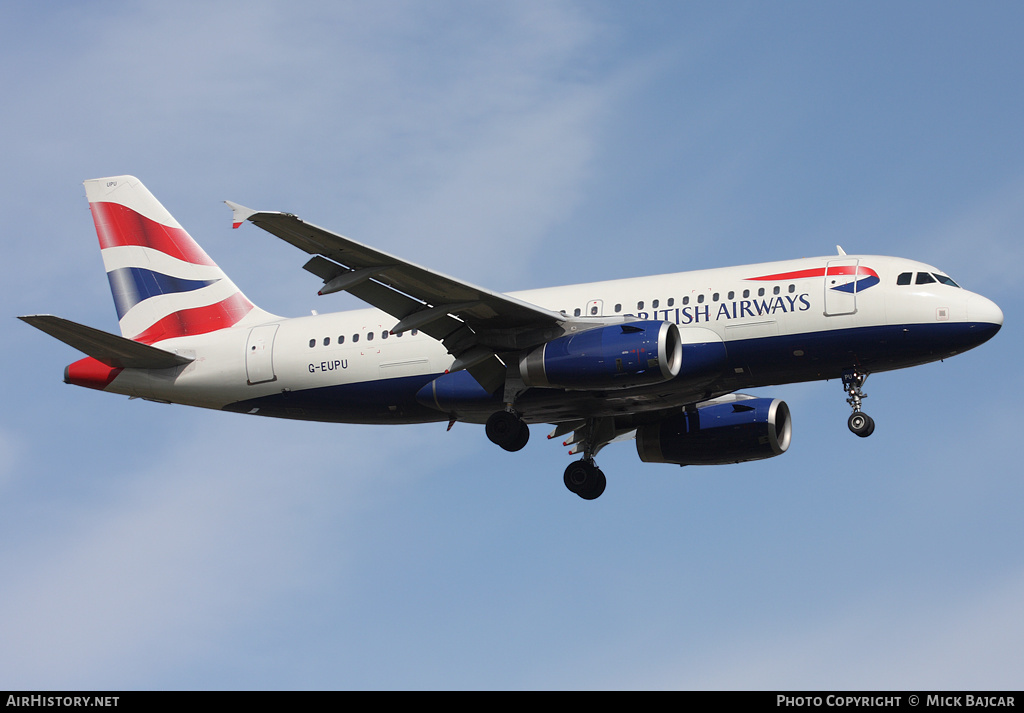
514,145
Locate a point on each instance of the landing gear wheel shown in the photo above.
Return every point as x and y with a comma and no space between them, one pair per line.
507,430
585,479
522,438
861,424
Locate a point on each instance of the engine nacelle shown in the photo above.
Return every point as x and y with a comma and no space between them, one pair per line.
719,433
616,357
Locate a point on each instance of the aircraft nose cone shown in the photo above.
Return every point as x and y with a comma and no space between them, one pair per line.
982,309
985,316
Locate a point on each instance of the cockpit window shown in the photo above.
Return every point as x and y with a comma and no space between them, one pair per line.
925,278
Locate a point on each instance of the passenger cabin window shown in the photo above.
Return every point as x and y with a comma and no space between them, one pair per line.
700,299
618,307
327,341
341,339
777,290
671,301
576,312
355,337
640,304
593,310
312,343
923,278
904,278
654,305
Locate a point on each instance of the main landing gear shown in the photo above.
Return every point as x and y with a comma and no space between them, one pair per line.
589,436
859,422
506,429
585,479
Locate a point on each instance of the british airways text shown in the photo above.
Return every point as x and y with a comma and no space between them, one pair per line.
737,309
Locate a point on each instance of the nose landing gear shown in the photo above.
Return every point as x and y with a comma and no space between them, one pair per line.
859,422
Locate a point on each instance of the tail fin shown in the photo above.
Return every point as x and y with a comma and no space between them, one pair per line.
164,285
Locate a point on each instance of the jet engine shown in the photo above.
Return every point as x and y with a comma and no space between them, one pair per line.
736,431
615,357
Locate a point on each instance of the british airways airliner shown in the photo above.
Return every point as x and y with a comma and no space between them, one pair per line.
657,359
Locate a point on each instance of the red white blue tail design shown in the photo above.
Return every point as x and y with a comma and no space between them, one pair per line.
164,285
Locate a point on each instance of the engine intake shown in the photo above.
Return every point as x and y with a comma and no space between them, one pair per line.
615,357
718,433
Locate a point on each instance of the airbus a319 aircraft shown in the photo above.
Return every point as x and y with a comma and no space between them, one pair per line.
658,359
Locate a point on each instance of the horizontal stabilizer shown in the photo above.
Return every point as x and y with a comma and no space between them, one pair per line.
110,349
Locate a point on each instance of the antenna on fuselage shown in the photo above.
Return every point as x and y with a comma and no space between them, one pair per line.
839,250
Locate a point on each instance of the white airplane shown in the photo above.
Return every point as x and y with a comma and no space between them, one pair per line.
659,359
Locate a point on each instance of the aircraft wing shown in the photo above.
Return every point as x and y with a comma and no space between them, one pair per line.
472,322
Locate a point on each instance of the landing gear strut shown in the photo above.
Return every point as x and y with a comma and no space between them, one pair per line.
585,479
506,429
859,423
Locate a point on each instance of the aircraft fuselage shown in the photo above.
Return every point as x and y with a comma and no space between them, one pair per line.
347,367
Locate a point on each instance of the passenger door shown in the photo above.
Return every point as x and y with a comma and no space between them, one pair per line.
259,354
841,286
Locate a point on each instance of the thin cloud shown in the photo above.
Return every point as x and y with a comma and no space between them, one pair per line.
981,241
893,643
186,550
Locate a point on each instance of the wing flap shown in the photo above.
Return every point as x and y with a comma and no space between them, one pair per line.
110,349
